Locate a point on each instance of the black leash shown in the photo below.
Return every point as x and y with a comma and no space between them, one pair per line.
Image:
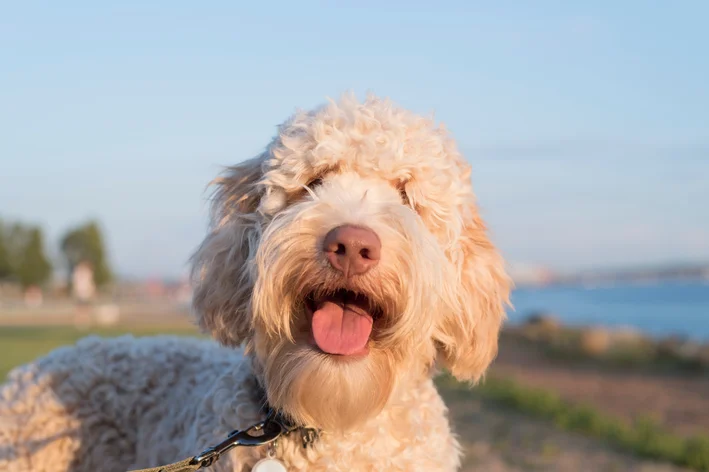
273,427
260,434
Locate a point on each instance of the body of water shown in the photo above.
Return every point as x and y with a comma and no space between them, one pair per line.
660,309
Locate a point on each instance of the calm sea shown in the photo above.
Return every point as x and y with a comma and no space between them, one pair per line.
658,309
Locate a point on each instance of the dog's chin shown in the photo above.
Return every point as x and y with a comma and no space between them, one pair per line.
329,392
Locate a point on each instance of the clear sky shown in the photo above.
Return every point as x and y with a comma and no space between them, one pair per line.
587,123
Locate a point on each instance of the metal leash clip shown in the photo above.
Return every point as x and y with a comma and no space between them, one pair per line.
259,434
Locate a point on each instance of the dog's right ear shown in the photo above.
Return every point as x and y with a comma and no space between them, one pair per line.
221,277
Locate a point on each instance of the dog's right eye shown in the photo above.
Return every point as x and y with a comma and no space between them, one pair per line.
314,183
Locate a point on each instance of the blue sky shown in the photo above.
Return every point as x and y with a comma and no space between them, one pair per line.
587,123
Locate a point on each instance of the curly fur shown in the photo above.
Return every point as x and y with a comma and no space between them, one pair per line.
441,284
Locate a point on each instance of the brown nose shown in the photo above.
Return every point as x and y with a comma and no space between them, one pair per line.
352,250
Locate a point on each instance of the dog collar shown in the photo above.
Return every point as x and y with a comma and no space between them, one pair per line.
308,435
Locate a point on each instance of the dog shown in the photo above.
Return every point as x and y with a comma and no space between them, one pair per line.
344,267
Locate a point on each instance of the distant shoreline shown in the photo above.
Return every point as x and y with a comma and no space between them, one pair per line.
668,273
608,282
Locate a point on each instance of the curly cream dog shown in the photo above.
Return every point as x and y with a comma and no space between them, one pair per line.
349,261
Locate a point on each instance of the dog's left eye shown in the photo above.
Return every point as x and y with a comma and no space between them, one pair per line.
314,183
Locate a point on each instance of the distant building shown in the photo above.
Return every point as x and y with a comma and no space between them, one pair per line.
33,297
83,286
530,275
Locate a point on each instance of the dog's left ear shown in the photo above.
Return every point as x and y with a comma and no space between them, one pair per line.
467,337
220,267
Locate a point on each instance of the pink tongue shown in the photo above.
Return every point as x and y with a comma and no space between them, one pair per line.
341,330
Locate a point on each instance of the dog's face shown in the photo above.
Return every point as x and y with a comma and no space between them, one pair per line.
349,257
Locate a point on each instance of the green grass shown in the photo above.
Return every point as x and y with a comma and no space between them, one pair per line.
21,344
644,437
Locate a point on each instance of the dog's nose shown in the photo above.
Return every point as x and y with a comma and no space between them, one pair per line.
352,250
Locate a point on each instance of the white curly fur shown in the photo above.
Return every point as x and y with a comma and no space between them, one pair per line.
111,405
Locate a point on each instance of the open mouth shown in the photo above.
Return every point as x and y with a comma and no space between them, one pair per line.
341,322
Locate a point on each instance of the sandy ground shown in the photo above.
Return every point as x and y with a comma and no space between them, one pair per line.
499,440
680,402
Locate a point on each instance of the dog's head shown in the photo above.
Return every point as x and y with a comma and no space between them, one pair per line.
350,257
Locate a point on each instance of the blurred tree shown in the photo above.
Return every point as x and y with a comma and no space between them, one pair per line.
85,244
33,266
5,262
16,240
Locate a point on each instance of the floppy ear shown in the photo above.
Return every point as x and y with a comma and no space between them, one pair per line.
221,266
467,338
